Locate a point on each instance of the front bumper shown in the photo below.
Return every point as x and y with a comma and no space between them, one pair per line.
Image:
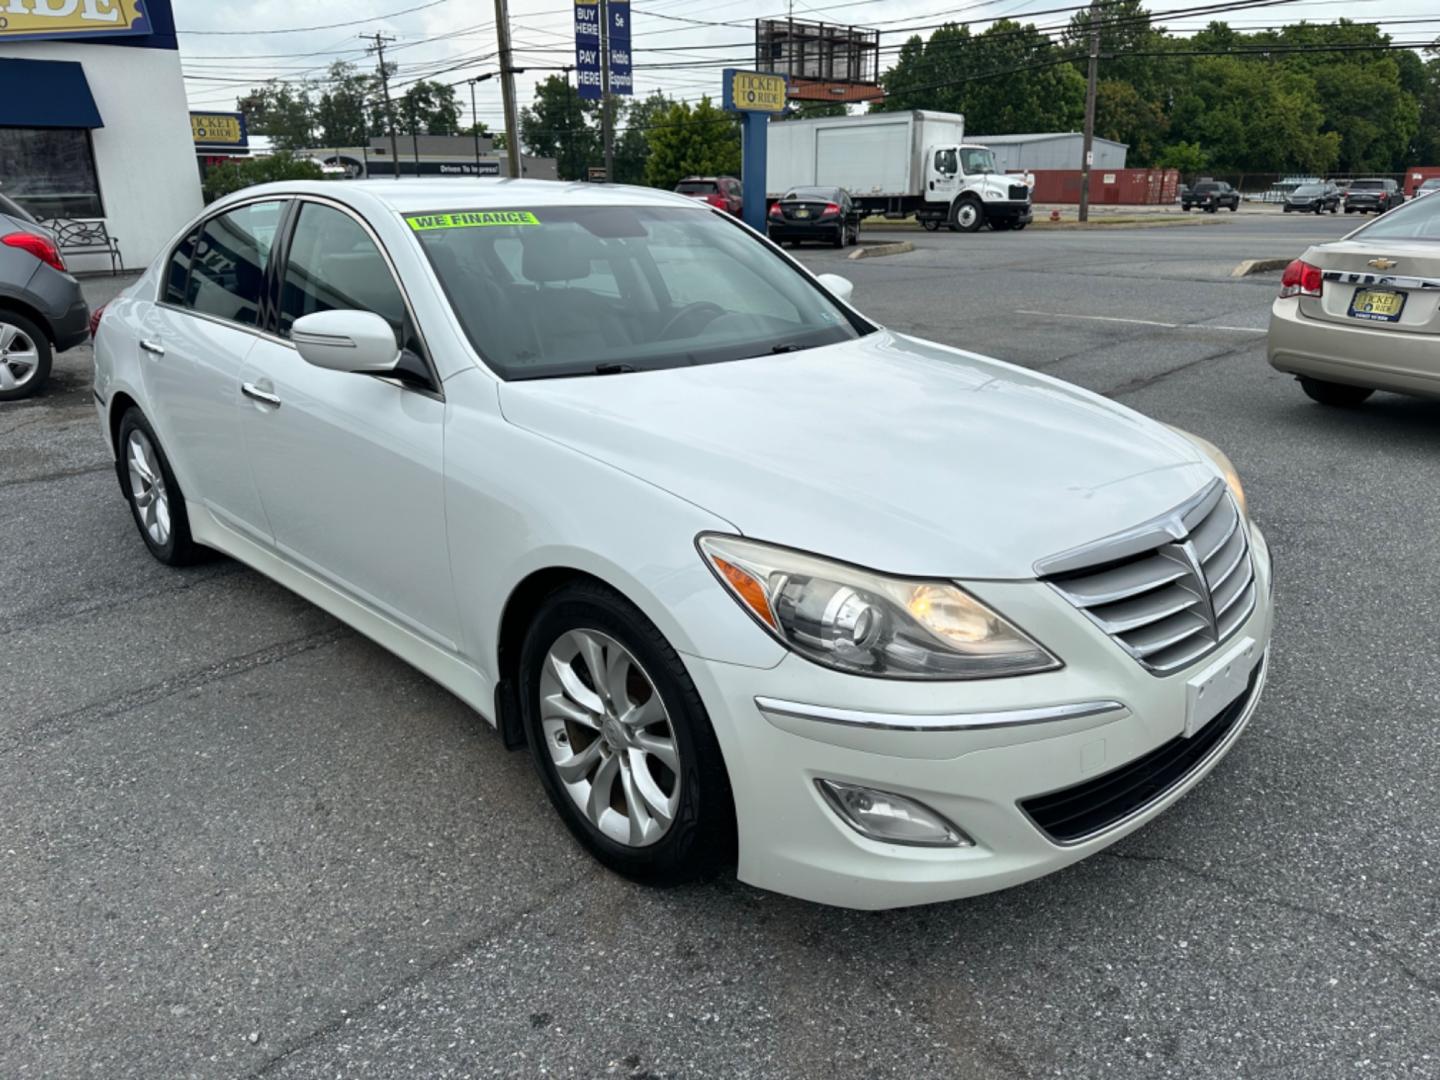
1017,211
1362,354
975,774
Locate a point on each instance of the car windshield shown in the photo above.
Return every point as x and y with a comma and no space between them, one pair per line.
1206,188
1309,189
581,290
976,159
1418,220
1367,185
829,194
697,187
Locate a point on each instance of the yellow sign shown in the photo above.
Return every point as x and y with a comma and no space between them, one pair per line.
217,129
751,91
471,219
20,19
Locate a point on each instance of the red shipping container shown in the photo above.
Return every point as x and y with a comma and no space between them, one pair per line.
1117,187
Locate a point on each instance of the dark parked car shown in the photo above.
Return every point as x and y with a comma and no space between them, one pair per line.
1314,198
41,309
719,191
822,214
1372,196
1210,196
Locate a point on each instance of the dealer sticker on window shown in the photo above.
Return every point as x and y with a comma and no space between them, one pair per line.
470,219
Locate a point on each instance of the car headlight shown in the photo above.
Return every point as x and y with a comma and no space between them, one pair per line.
859,621
1223,463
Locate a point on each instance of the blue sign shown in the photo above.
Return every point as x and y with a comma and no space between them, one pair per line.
621,80
587,49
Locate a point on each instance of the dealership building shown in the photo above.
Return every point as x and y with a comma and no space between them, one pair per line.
93,120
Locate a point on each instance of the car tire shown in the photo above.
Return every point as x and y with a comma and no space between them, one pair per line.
1234,207
588,619
156,501
930,224
966,215
25,356
839,241
1340,395
1002,225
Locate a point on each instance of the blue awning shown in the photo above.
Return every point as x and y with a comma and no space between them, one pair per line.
46,93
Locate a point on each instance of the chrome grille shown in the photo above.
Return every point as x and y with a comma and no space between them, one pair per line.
1168,591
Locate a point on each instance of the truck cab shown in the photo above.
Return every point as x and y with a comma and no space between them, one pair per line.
965,190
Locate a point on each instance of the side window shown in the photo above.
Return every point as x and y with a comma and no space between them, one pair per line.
228,267
945,162
177,271
334,265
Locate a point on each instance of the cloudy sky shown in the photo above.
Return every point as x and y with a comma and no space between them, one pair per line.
680,45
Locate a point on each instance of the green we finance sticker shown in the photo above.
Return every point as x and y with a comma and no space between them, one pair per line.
470,219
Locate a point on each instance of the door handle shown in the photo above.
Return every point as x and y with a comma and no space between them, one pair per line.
250,390
152,347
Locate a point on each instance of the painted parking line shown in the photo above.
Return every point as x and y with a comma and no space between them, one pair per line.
1144,322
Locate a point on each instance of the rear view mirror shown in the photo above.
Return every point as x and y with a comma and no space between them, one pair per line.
839,287
358,341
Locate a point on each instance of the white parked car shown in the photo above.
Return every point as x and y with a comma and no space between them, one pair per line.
756,580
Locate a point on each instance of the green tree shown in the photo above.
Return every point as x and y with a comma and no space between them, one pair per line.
632,143
341,110
559,125
221,180
1123,114
283,112
1127,38
1426,147
429,108
698,140
1187,157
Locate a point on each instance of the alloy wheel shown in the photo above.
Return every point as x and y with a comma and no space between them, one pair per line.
19,357
610,737
147,487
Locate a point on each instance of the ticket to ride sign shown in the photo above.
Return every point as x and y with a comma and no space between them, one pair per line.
218,129
28,20
754,91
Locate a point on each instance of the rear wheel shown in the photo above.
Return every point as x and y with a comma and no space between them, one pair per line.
1338,394
839,240
25,356
621,738
930,224
154,495
1002,225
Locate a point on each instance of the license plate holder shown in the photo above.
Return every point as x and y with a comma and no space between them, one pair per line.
1218,685
1377,305
802,213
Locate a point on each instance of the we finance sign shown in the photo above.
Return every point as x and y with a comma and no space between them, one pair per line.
28,20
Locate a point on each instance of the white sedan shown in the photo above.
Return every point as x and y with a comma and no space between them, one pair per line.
757,581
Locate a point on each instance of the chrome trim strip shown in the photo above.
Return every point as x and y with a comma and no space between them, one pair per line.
979,721
1167,528
1399,281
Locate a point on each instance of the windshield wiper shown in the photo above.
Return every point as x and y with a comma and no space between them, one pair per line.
777,349
614,369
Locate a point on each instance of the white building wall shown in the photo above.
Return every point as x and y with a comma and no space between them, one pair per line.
144,155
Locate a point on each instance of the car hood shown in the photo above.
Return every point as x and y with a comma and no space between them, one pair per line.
889,452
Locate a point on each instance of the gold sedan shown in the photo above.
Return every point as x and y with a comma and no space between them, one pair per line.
1363,313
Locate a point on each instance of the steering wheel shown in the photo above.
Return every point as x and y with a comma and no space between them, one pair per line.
700,307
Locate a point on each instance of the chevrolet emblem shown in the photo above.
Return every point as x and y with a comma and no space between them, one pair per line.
1383,263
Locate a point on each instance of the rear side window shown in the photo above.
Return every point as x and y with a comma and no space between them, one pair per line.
696,187
334,265
177,270
227,270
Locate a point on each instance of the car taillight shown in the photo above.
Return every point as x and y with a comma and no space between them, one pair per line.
38,246
830,208
775,210
1300,279
95,320
716,200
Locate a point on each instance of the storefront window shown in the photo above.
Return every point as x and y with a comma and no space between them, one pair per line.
50,171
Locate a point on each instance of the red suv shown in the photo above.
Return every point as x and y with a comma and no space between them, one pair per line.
718,191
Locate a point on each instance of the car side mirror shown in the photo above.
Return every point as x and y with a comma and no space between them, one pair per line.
838,287
358,341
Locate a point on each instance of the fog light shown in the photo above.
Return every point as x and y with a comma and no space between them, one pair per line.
891,818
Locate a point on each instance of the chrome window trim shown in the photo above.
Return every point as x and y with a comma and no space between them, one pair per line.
933,722
1356,277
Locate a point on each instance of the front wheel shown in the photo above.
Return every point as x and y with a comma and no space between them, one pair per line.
967,216
621,738
1234,207
25,356
1337,394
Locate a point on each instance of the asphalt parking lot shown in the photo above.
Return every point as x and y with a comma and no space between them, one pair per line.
240,840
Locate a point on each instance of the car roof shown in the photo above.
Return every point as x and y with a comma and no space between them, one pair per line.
464,193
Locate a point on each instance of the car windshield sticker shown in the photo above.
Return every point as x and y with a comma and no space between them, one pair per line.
470,219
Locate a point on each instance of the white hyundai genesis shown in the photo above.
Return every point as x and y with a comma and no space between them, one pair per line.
757,581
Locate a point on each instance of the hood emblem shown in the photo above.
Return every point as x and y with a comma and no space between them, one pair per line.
1383,263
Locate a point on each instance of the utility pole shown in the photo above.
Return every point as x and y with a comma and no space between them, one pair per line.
507,86
607,125
379,47
1091,81
475,125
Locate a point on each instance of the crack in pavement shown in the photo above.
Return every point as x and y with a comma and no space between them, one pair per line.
191,680
372,1004
1372,942
1144,381
74,607
60,474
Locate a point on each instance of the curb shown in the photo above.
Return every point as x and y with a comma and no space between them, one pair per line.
898,247
1259,266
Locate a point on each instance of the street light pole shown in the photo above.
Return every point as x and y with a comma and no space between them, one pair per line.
1092,79
507,87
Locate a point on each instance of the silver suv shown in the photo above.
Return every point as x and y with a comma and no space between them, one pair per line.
42,311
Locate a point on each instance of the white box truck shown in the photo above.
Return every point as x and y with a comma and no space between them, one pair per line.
896,164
